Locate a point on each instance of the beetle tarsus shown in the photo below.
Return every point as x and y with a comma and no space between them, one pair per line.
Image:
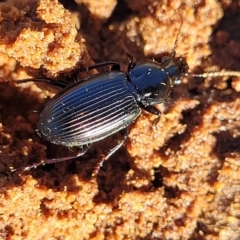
110,152
53,160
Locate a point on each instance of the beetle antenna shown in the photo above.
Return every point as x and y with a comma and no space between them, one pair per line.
176,41
216,74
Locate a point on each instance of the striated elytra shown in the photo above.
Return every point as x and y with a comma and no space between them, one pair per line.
96,107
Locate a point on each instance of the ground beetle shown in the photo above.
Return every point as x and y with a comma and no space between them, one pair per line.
93,108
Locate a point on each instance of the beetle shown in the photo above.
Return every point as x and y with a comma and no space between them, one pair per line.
96,107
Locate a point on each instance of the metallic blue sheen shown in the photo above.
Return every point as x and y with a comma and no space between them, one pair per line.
105,103
89,111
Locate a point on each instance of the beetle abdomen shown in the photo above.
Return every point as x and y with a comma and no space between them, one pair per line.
89,111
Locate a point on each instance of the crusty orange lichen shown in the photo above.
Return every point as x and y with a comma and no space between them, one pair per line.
45,36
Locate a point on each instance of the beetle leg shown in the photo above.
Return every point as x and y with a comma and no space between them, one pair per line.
155,111
114,66
132,61
55,83
111,152
54,160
